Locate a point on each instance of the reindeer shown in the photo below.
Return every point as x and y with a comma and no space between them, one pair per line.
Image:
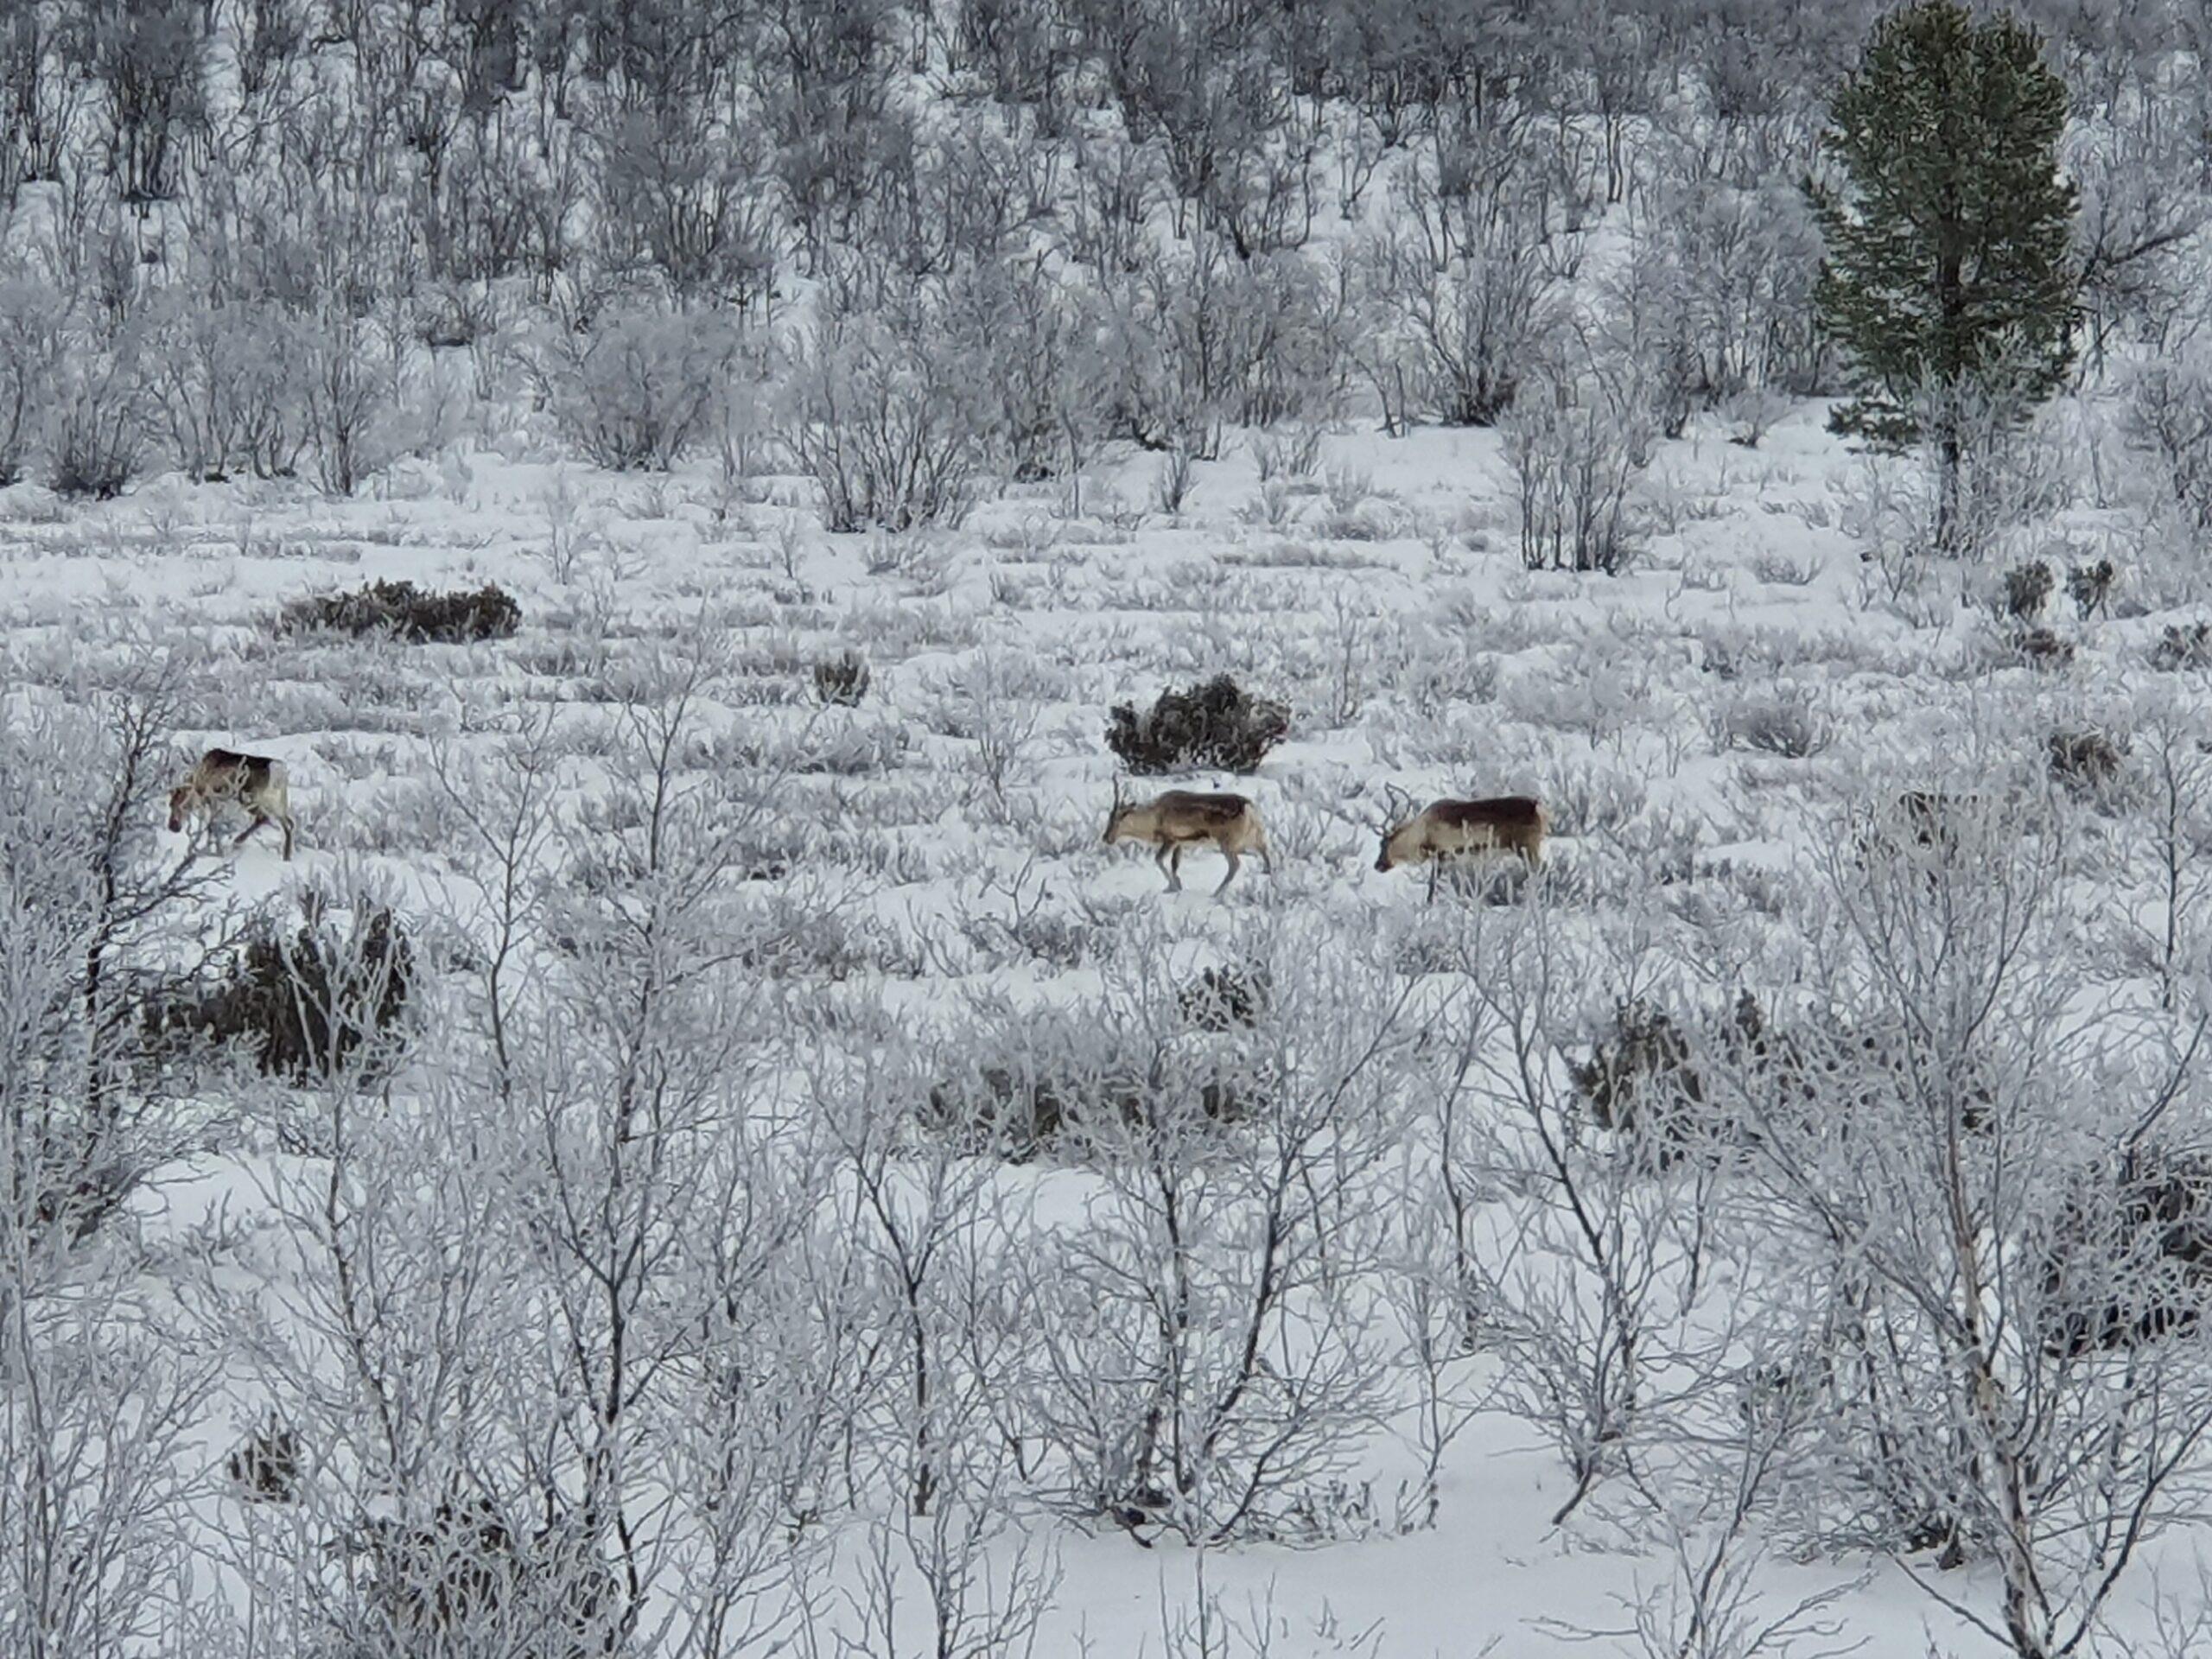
1184,817
252,781
1448,830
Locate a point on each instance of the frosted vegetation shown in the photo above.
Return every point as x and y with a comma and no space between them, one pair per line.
703,1153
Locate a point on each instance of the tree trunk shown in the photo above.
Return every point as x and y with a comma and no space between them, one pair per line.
1950,534
1950,290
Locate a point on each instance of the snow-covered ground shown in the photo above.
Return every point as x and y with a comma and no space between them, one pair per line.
1699,727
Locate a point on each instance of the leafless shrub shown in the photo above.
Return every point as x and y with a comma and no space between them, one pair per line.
1453,339
2169,414
460,1577
2129,1257
2040,648
1024,338
1639,1080
637,388
1578,441
1583,797
1270,505
266,1466
347,399
32,318
84,1115
1287,454
1752,413
1198,339
881,423
301,1006
99,436
1787,722
1220,999
1019,1110
1783,571
223,378
1171,485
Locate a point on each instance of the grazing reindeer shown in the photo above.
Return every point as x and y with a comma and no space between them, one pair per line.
1449,830
1184,817
252,781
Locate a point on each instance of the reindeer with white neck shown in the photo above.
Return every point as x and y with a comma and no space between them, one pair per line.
223,777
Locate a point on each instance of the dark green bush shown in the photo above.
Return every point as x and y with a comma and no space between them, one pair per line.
1216,725
2181,647
1220,998
840,680
266,1465
418,615
2027,588
1020,1115
2085,763
2129,1255
304,1006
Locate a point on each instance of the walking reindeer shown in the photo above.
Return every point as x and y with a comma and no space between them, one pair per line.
222,778
1181,818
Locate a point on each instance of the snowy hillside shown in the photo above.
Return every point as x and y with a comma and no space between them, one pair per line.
705,1150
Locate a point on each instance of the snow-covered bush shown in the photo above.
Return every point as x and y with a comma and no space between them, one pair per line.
84,1117
1787,720
1452,342
2088,763
32,318
221,378
99,435
840,680
2129,1252
1223,1419
1031,337
348,399
2168,418
883,416
1197,340
1578,437
635,390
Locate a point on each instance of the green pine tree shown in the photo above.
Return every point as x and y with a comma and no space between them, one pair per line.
1948,276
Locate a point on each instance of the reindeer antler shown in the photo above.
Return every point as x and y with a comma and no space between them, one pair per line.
1397,807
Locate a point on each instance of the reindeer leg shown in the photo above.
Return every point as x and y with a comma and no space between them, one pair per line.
1436,869
258,821
1168,858
1230,877
287,837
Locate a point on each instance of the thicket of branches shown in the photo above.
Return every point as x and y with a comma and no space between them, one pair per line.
647,1276
638,1284
240,233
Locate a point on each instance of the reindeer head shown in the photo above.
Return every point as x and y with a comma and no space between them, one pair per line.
180,800
1118,814
1397,813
